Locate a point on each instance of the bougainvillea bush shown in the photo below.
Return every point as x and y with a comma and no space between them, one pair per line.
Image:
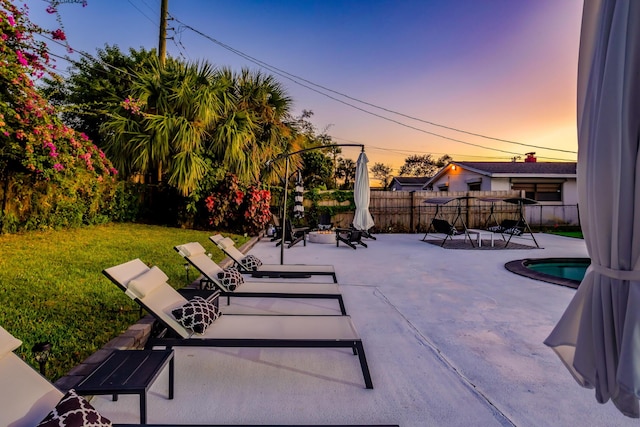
236,209
50,175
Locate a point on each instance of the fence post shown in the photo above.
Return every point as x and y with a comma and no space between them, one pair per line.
411,212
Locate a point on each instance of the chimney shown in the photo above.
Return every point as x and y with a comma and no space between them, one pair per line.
531,158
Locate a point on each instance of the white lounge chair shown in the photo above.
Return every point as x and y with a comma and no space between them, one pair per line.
148,287
196,255
227,245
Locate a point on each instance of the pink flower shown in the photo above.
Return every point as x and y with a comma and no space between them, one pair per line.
21,58
58,35
51,9
12,21
58,167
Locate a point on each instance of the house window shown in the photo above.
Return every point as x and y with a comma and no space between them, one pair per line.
542,192
474,186
443,187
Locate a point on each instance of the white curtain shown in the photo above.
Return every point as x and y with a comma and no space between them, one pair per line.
598,336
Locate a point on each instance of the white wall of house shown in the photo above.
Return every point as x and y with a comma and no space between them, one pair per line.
570,192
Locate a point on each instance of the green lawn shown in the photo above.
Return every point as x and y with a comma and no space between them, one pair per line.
576,234
52,287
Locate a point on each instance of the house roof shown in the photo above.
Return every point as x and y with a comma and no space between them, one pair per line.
411,180
513,169
517,168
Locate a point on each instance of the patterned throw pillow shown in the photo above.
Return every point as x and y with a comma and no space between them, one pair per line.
231,278
196,314
495,229
74,411
250,262
515,231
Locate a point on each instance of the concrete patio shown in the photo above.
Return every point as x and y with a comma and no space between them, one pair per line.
452,339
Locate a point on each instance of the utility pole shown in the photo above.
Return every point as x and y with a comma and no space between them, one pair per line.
162,39
162,52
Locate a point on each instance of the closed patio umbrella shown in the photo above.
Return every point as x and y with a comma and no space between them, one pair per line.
598,336
362,219
298,207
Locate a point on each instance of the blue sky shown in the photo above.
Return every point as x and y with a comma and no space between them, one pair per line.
499,68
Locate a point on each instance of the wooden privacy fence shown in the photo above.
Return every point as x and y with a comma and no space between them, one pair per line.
404,211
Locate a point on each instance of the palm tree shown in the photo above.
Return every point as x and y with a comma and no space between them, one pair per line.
163,128
256,126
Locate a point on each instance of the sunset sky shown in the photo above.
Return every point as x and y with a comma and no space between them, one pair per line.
505,69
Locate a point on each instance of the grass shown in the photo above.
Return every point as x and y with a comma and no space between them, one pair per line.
576,234
52,287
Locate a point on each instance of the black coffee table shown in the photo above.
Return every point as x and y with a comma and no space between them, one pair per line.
129,372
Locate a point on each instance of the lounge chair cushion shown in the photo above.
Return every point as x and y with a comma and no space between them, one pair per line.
8,343
191,249
251,262
145,283
231,278
74,411
196,315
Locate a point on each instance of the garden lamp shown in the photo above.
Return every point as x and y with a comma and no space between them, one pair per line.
41,352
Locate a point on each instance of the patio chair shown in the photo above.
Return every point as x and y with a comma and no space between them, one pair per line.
26,397
149,288
293,236
271,270
508,226
349,236
196,255
442,226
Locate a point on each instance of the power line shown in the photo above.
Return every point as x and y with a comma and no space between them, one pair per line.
86,55
296,79
403,152
143,14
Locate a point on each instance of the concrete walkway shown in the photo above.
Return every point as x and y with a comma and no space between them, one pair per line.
452,339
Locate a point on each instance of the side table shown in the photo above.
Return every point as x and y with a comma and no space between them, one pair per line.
129,372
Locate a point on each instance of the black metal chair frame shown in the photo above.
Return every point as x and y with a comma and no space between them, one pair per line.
438,226
294,235
521,221
350,237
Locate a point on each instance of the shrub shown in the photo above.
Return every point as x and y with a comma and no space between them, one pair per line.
237,209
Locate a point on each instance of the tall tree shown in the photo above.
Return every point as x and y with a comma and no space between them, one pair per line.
423,165
346,171
163,127
381,172
253,127
96,85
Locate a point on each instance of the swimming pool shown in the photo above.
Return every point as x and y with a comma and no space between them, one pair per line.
560,271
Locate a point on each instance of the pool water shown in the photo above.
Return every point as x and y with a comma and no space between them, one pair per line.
573,270
561,271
